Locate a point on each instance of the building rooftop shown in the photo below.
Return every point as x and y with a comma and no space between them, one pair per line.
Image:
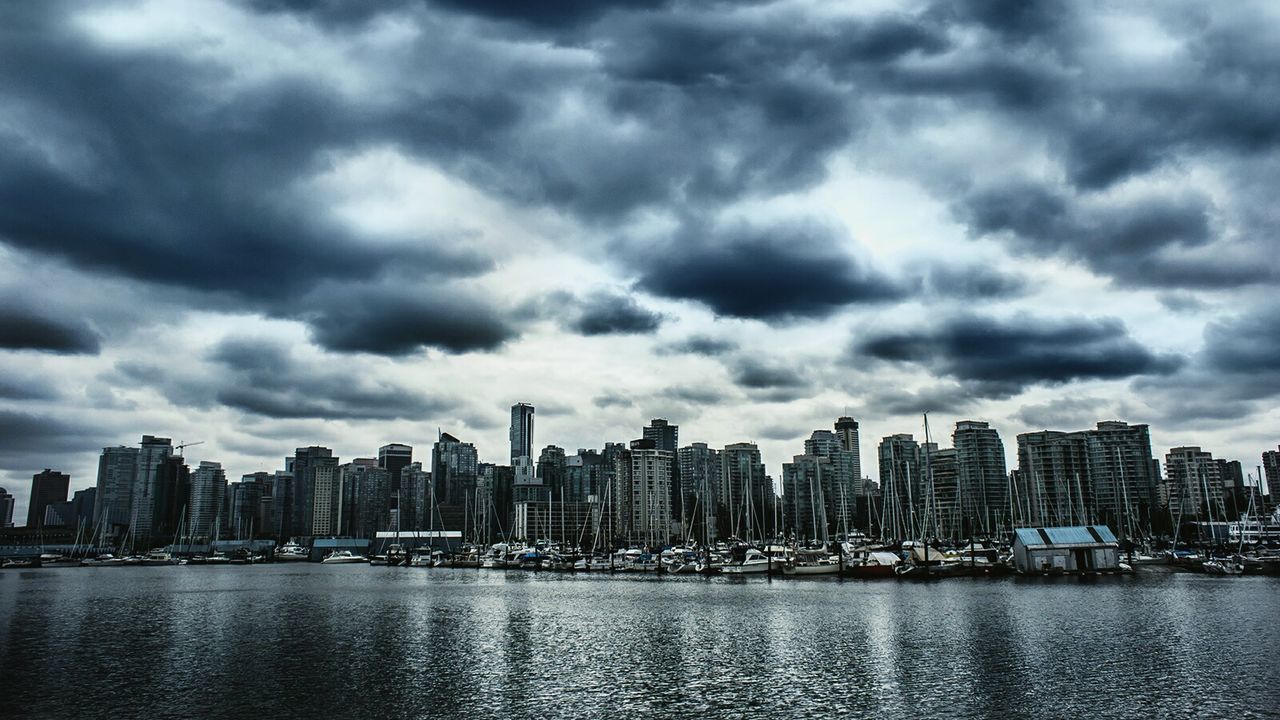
1072,535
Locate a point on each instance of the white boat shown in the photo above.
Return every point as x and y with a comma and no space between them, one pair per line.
291,552
159,557
809,563
755,562
104,560
1219,566
343,556
49,560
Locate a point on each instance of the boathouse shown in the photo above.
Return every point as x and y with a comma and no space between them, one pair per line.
1077,549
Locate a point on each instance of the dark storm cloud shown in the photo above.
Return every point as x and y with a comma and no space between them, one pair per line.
266,379
775,273
394,321
560,13
1002,357
604,313
946,397
1073,412
698,345
14,387
23,329
28,441
756,374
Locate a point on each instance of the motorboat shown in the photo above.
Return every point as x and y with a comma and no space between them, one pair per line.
103,560
291,552
810,562
753,562
874,564
50,560
159,557
338,557
1223,566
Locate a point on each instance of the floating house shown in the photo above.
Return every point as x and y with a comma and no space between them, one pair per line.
1077,549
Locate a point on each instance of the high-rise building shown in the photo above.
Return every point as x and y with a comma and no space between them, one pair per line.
170,501
151,456
392,458
746,492
521,432
82,504
305,460
244,506
415,501
1271,472
551,470
47,487
847,434
1122,475
664,435
901,482
584,476
282,502
6,509
208,487
367,498
942,513
806,489
453,470
1055,469
326,496
983,478
1195,483
116,469
643,493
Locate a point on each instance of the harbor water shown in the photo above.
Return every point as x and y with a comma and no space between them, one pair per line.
307,641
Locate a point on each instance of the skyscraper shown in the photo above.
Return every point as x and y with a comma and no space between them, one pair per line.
392,458
664,435
415,502
746,491
1195,482
983,479
47,487
453,469
901,481
847,434
116,468
643,493
305,460
551,470
151,455
326,496
806,489
170,500
208,486
1271,471
521,432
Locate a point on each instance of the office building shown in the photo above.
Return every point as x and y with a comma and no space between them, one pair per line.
208,488
305,461
114,499
983,499
901,482
47,487
392,458
643,493
170,501
746,493
152,454
453,470
521,432
1195,484
551,470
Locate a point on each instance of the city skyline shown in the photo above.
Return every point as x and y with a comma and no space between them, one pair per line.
263,227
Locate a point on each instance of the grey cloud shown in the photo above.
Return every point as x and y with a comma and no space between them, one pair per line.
1073,412
23,329
973,282
394,321
609,400
771,273
946,397
760,374
607,314
1005,356
28,441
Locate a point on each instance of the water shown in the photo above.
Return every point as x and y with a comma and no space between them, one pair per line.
308,641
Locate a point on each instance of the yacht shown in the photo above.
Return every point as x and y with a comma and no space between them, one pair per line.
160,557
812,562
291,552
103,560
874,564
754,562
344,556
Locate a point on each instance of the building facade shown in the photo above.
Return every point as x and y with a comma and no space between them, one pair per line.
47,487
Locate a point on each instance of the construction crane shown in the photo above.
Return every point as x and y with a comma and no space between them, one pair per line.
180,446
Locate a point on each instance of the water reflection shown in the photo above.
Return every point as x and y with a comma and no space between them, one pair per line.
344,641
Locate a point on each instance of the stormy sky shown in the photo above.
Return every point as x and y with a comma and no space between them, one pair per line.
279,223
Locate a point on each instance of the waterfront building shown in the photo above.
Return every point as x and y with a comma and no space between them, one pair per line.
494,501
1055,467
82,504
983,482
171,501
152,454
1122,475
563,522
282,502
303,505
806,489
1195,483
643,493
326,497
521,432
664,435
367,497
1078,549
58,515
245,498
453,477
1271,473
551,470
6,509
583,476
116,468
392,458
746,493
943,516
208,488
843,476
901,483
847,435
47,487
701,480
415,501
